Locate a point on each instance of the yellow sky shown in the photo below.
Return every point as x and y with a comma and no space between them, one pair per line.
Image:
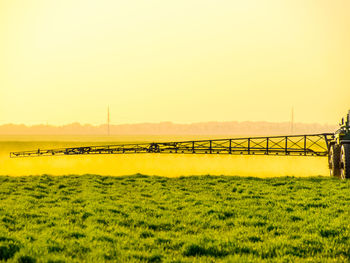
181,61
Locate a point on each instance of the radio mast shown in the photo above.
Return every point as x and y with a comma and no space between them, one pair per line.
108,121
292,121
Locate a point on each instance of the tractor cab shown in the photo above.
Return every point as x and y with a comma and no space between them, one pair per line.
344,131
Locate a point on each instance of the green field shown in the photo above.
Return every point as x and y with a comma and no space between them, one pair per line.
139,218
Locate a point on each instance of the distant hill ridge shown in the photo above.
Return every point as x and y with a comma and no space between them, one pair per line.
169,128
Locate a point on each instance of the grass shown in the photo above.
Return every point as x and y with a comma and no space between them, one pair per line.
139,218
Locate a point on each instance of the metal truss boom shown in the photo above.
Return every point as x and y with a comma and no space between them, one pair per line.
294,145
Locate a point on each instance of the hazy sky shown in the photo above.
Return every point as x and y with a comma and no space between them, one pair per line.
181,61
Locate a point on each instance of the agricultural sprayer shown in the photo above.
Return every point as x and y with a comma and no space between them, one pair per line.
335,146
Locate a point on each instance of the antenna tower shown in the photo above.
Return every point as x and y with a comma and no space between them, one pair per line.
292,121
108,121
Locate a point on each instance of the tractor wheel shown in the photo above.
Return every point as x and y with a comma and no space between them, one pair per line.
334,160
345,161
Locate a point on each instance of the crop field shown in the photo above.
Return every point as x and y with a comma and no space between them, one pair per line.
139,218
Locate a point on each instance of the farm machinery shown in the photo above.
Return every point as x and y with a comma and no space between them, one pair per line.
339,150
335,146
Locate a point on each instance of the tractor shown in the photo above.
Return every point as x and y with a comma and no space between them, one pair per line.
339,150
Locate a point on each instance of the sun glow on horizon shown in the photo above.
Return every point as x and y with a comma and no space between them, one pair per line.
179,61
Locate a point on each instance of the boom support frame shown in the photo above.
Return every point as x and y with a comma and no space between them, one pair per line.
294,145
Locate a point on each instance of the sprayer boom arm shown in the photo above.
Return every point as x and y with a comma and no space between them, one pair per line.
295,145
